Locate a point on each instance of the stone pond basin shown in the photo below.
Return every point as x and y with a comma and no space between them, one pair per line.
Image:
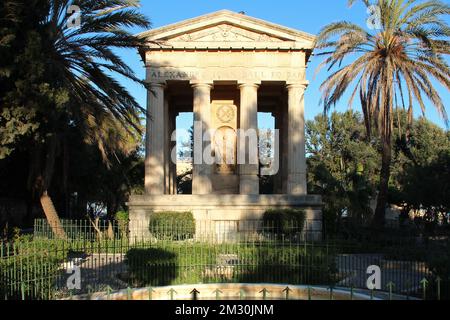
239,291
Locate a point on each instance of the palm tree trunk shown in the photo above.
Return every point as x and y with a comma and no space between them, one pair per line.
41,177
65,175
379,217
52,216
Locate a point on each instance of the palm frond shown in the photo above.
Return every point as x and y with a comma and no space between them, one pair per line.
85,63
392,64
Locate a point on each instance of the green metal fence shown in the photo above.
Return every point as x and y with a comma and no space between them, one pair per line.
100,257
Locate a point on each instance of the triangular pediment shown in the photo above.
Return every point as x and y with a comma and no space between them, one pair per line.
227,29
225,32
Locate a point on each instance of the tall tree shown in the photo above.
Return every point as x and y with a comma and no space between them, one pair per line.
395,63
342,166
21,67
419,178
76,66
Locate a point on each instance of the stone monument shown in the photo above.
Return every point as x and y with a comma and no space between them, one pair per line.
225,67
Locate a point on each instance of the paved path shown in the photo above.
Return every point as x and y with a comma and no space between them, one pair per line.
406,275
98,271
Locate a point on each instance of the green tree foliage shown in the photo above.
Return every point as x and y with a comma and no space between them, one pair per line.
93,181
420,169
343,166
428,187
22,74
394,62
59,78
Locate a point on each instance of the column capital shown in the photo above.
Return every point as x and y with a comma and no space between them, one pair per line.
248,85
300,85
162,85
201,84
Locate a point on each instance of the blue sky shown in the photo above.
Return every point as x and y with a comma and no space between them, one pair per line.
305,15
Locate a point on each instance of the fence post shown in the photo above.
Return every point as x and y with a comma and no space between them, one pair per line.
108,292
150,293
90,290
195,294
217,292
438,282
286,291
22,289
390,286
241,294
172,292
424,283
264,293
408,286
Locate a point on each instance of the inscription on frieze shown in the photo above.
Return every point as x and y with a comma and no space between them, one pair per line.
238,74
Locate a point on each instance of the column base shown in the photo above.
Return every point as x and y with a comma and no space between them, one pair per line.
249,184
154,179
201,180
296,184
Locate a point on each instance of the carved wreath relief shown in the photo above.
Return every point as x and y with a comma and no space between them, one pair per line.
224,33
225,140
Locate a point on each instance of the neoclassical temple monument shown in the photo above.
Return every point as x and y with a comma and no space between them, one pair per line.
225,67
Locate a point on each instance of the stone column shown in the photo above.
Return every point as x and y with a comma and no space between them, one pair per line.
284,143
201,177
173,165
296,140
167,143
248,171
278,180
154,146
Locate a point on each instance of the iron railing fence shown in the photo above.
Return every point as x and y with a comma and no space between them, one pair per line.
89,230
177,230
94,259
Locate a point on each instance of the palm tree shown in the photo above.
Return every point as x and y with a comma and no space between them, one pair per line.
394,64
80,66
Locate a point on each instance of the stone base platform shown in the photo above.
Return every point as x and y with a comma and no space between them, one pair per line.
223,214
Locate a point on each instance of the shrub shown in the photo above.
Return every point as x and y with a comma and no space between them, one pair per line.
122,218
284,221
29,269
438,261
153,266
172,225
284,264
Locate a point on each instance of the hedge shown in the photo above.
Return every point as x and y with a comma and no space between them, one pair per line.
172,225
284,221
